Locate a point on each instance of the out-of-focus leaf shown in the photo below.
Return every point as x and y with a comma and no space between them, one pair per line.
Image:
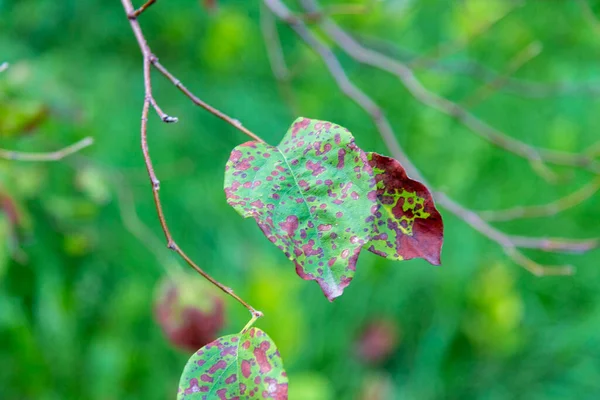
378,340
189,311
407,224
93,183
312,196
244,366
20,117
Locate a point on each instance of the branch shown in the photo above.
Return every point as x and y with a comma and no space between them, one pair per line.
537,157
524,56
149,59
449,48
545,210
481,72
509,244
52,156
279,67
139,11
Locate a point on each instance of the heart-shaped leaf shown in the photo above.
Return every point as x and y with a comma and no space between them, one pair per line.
313,196
407,224
242,366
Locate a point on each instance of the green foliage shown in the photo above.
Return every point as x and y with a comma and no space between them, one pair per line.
246,365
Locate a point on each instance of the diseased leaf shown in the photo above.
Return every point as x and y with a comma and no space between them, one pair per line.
242,366
407,224
312,196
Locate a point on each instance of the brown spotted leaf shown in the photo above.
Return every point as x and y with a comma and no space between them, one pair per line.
312,196
407,224
242,366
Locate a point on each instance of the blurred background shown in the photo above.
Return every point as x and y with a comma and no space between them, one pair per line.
82,253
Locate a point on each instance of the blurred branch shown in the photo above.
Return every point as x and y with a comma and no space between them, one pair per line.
545,210
588,13
524,56
3,66
452,47
537,157
51,156
339,9
136,13
478,71
150,59
594,150
279,67
509,244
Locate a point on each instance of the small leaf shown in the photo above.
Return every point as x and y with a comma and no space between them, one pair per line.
312,196
407,224
242,366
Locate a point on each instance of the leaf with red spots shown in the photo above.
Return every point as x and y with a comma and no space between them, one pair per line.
407,224
313,196
234,367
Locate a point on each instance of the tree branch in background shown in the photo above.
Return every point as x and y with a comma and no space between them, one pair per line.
279,67
448,48
148,60
478,71
524,56
537,157
510,244
545,210
51,156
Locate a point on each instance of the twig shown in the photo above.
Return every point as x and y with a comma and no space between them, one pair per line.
52,156
524,56
593,150
537,157
231,121
507,243
148,59
136,13
481,72
544,210
588,13
279,67
451,47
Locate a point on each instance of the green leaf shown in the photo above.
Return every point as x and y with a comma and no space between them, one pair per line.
407,224
312,196
242,366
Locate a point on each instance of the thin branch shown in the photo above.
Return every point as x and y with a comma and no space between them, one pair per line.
507,243
148,59
448,48
524,56
478,71
537,157
279,67
139,11
545,210
51,156
589,15
219,114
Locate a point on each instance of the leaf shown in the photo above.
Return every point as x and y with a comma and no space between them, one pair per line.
312,196
242,366
407,224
